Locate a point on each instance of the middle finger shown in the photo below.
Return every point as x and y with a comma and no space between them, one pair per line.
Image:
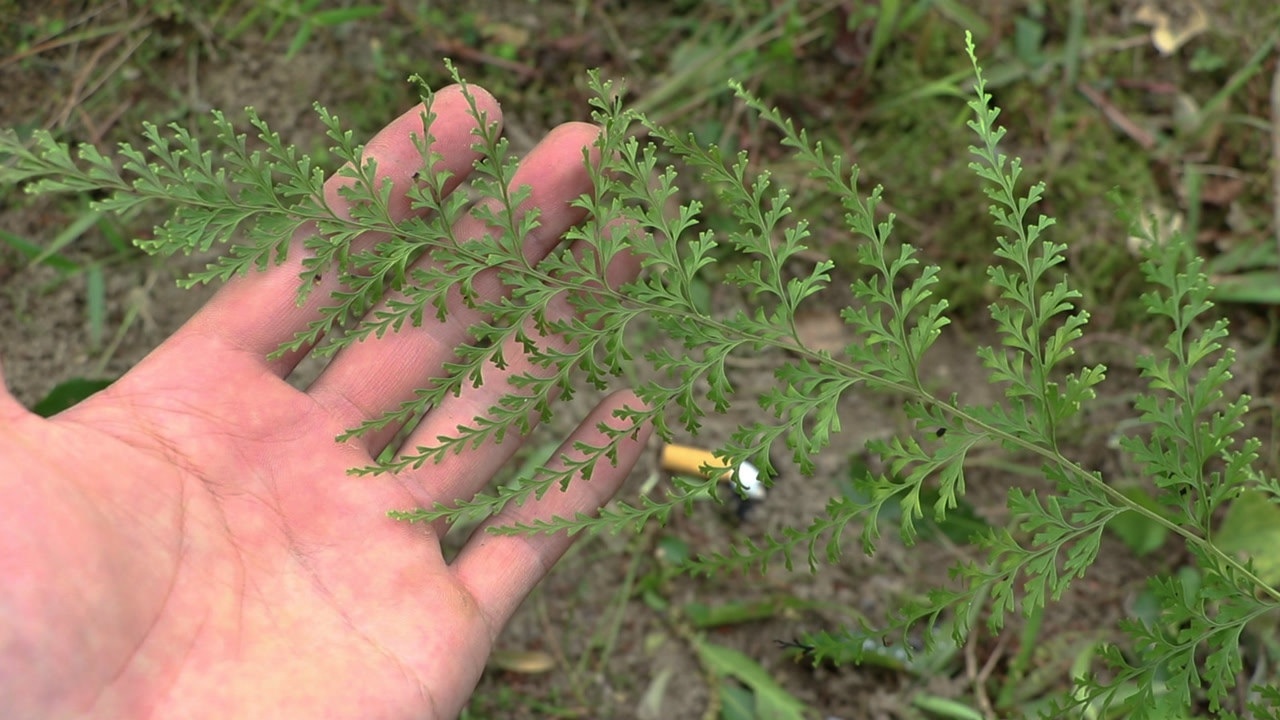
374,375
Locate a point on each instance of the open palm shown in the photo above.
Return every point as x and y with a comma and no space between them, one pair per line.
188,542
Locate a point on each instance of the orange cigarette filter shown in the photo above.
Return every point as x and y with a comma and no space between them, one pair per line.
687,460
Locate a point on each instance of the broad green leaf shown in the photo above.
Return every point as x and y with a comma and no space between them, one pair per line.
1140,533
673,551
940,707
32,251
772,701
733,612
1258,287
736,702
1252,528
650,705
67,394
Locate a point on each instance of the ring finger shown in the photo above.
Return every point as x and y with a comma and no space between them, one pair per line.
377,374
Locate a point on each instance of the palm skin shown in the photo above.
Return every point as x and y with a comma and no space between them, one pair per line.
188,543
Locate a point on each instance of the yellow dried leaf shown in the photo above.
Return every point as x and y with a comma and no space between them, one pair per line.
1172,28
525,662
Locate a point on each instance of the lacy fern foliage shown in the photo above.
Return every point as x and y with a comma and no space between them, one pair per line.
253,197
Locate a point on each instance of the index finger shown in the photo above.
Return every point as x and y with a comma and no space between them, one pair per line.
258,312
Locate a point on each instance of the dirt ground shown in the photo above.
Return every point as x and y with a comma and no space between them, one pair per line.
606,614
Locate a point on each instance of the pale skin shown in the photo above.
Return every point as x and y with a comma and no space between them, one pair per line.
188,542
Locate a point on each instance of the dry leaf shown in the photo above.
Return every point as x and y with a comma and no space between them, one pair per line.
1172,27
1221,191
503,33
525,662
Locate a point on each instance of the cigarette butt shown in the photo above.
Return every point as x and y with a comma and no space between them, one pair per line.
687,460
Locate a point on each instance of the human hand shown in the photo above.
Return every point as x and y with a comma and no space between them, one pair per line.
187,543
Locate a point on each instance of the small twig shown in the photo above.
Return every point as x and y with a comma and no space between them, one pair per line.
74,96
97,131
194,103
56,41
466,53
621,49
978,676
1136,132
137,307
80,92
